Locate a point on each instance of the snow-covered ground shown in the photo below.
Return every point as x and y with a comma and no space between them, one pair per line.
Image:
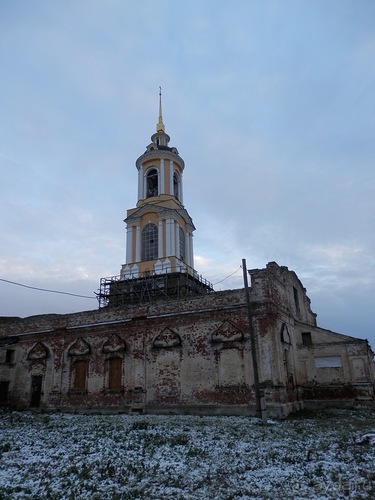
62,456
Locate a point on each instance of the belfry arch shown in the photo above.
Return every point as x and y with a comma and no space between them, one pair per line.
152,183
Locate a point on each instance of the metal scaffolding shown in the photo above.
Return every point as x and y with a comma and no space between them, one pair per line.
149,286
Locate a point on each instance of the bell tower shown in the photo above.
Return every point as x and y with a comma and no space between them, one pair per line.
159,232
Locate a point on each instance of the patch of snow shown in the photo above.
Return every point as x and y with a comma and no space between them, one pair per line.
190,457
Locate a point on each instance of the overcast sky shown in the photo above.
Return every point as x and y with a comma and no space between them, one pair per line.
270,103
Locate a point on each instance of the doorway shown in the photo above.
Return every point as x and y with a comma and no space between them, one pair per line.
36,390
4,388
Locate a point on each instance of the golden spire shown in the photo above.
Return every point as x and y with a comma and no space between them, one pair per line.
160,124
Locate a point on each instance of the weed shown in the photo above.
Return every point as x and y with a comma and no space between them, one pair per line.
156,439
4,447
179,440
273,454
195,452
290,459
139,425
319,472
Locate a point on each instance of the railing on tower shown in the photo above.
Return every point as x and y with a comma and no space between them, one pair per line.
149,286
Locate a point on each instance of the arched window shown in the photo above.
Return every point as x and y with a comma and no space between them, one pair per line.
176,185
149,242
152,183
181,245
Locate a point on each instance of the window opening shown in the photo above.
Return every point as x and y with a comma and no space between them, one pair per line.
306,338
296,301
36,390
176,185
4,389
285,337
152,182
328,362
9,356
149,242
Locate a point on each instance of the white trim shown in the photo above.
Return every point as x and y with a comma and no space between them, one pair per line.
171,172
187,249
162,177
144,183
181,195
173,240
191,250
158,267
177,239
160,239
167,266
140,183
168,237
129,244
137,243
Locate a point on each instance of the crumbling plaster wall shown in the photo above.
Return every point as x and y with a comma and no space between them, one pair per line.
187,355
333,365
283,288
351,375
190,352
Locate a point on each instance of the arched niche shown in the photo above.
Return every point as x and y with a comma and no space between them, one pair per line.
37,352
114,345
167,338
227,332
79,348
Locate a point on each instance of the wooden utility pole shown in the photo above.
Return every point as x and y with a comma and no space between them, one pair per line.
259,394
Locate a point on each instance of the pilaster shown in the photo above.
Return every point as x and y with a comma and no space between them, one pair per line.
162,177
140,183
187,249
160,239
191,250
138,243
171,171
129,244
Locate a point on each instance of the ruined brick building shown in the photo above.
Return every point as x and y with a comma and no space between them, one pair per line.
163,341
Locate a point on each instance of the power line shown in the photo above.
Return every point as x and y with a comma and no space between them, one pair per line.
47,290
84,296
229,275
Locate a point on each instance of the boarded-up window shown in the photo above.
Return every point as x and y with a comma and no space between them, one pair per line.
80,374
359,369
328,362
167,372
231,370
115,373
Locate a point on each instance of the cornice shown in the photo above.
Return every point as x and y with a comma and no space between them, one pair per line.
161,211
159,153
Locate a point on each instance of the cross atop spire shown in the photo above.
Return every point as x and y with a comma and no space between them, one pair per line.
160,125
